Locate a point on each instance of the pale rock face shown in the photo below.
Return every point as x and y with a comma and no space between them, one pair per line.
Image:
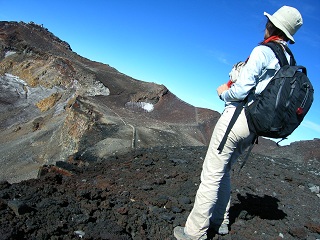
97,89
9,53
15,94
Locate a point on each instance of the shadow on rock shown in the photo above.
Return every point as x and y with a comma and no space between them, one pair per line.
250,206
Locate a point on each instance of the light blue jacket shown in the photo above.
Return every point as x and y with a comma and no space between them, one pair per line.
256,73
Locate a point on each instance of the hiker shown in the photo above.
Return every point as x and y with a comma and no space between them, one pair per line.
212,201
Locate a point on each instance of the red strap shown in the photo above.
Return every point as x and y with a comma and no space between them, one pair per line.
229,83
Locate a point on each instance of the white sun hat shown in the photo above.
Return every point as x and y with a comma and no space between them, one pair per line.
287,19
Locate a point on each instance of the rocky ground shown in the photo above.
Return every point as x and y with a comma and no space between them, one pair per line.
144,194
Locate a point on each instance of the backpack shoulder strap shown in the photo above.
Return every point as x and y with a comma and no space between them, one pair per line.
292,59
231,123
278,51
255,141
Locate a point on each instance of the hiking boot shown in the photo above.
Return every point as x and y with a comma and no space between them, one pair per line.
222,229
178,232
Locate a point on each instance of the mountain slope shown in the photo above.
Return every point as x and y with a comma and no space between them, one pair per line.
55,103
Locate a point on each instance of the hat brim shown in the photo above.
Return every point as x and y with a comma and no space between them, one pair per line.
277,24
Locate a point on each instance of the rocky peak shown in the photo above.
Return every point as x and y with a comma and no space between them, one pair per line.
26,37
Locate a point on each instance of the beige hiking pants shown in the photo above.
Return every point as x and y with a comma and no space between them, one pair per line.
212,200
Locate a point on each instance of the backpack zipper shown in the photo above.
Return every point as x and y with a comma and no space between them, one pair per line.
300,110
293,86
279,93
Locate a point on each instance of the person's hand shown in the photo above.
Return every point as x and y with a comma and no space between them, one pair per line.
222,88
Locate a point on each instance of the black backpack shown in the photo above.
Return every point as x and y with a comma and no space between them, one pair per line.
280,108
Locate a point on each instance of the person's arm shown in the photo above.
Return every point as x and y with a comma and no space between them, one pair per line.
247,78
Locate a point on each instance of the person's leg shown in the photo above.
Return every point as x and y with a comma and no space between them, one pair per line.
244,139
213,170
215,178
220,212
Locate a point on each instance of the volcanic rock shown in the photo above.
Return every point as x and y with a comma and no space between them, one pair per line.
120,198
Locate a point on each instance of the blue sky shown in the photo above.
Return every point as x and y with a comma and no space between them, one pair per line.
187,45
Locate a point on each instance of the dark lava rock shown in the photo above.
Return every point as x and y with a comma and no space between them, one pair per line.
19,207
124,198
